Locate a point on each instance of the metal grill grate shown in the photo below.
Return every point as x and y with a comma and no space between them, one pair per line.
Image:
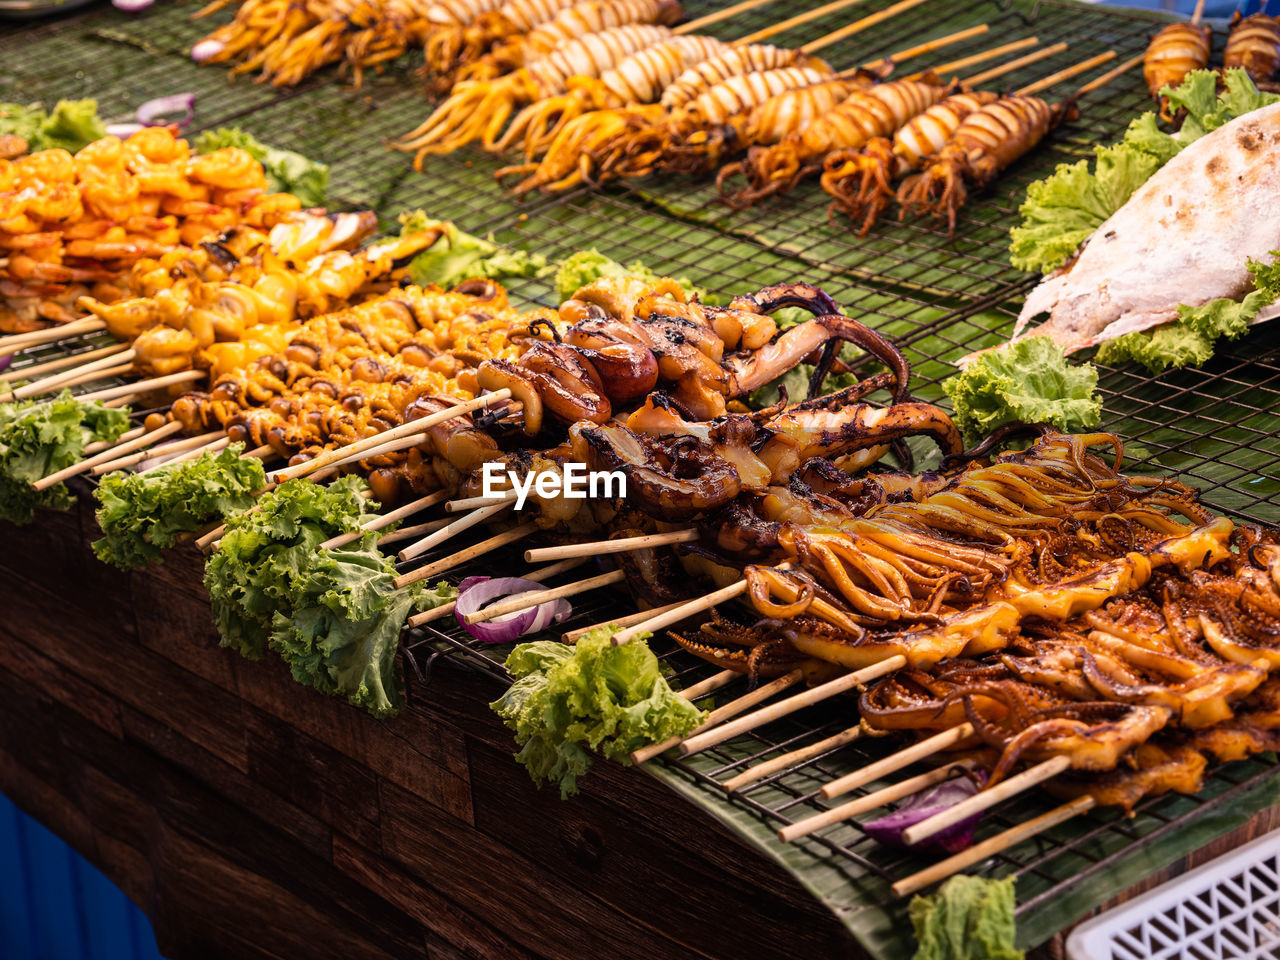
937,297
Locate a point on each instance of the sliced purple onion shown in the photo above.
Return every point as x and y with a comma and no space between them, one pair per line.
474,593
131,6
123,130
161,111
921,806
205,49
5,361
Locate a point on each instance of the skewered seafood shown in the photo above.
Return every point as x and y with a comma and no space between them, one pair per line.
1254,45
1173,53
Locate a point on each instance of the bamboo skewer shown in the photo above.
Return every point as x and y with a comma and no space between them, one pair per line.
92,375
106,456
470,553
62,363
1033,57
176,447
599,548
687,609
125,437
799,19
381,449
471,503
794,757
722,713
896,791
1198,12
622,622
993,845
848,30
68,377
408,533
405,429
709,685
450,530
942,69
20,341
538,597
542,573
894,762
985,799
910,53
1110,75
192,454
386,519
1066,74
719,15
790,705
139,387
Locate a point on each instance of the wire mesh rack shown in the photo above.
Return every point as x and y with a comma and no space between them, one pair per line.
936,295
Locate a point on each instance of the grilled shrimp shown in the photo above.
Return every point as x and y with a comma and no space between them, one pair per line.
873,169
734,62
1254,45
479,110
866,113
637,79
1173,53
987,142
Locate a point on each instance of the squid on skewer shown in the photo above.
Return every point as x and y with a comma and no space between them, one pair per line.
480,110
1173,53
734,62
861,181
877,111
458,31
1254,45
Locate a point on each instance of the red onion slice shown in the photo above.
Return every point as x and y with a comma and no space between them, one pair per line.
206,49
888,829
131,6
123,130
474,593
161,111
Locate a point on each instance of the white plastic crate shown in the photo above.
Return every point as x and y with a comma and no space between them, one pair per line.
1228,908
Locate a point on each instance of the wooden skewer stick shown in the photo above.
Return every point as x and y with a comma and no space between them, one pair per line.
386,519
782,762
470,503
135,443
1012,65
894,762
985,799
993,845
470,553
1198,13
193,454
799,19
911,52
790,705
408,533
719,15
1110,75
1067,74
403,430
538,597
104,374
382,449
20,341
62,363
622,622
542,573
52,384
140,387
943,69
712,683
599,548
451,530
871,801
849,29
176,447
102,445
722,713
687,609
264,452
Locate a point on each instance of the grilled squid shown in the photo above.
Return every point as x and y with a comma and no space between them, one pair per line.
876,111
462,30
479,110
986,143
1173,53
735,62
861,181
1254,45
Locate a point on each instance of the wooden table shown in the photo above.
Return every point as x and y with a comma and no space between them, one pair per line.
251,817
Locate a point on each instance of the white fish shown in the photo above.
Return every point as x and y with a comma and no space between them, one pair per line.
1185,236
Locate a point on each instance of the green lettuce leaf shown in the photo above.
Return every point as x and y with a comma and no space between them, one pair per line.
142,513
265,550
1026,381
40,438
71,124
1062,210
588,266
969,918
593,695
459,256
287,172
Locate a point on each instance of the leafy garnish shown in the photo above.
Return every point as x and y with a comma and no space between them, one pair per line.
1026,381
37,439
969,918
459,256
592,695
1062,210
71,124
142,513
588,266
287,172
